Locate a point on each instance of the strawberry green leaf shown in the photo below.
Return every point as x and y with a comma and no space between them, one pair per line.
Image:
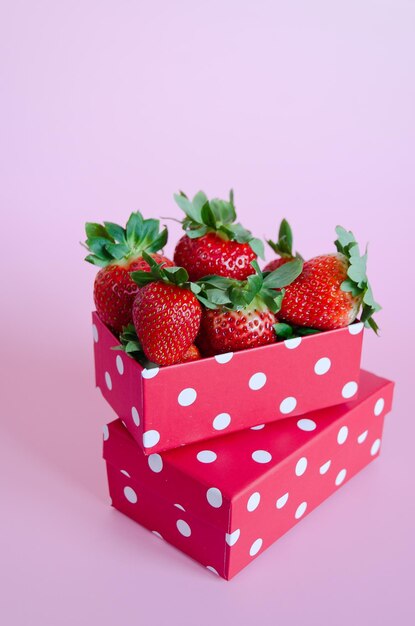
117,251
284,275
91,258
199,201
94,230
351,287
192,212
258,247
133,228
284,246
357,282
176,275
283,331
208,216
130,344
287,331
115,231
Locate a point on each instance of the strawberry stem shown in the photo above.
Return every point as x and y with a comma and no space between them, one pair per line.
110,242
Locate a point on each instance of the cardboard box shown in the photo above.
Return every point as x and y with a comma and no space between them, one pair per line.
224,501
167,407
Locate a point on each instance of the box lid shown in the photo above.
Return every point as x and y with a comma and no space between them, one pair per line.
219,471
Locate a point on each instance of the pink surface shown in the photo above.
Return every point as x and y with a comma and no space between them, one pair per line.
306,109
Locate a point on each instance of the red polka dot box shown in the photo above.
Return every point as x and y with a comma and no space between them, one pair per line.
225,500
167,407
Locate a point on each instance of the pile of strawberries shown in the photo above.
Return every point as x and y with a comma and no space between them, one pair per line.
215,298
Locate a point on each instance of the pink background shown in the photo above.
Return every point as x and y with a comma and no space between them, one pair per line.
307,110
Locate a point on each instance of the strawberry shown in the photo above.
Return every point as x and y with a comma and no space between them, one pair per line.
214,243
192,354
228,331
283,247
118,251
242,314
130,344
331,290
166,314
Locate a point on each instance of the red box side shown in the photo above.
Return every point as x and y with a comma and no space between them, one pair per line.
168,407
329,464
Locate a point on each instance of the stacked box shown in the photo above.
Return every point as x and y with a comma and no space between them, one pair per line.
222,456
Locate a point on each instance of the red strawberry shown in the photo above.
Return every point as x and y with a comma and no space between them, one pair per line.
283,247
192,354
242,314
331,289
166,314
130,344
211,254
119,252
213,243
222,330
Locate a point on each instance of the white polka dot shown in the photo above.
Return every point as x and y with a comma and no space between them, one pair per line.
232,538
300,510
221,421
106,432
108,380
282,501
325,467
342,435
150,372
349,389
187,396
95,333
261,456
301,466
214,497
157,534
183,528
379,406
224,358
306,424
125,473
375,447
120,365
257,381
355,329
288,405
212,569
362,437
151,438
259,427
255,548
292,343
340,477
322,366
179,506
135,416
130,495
206,456
253,501
155,463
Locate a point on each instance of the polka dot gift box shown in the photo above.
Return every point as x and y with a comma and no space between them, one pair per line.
167,407
223,501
